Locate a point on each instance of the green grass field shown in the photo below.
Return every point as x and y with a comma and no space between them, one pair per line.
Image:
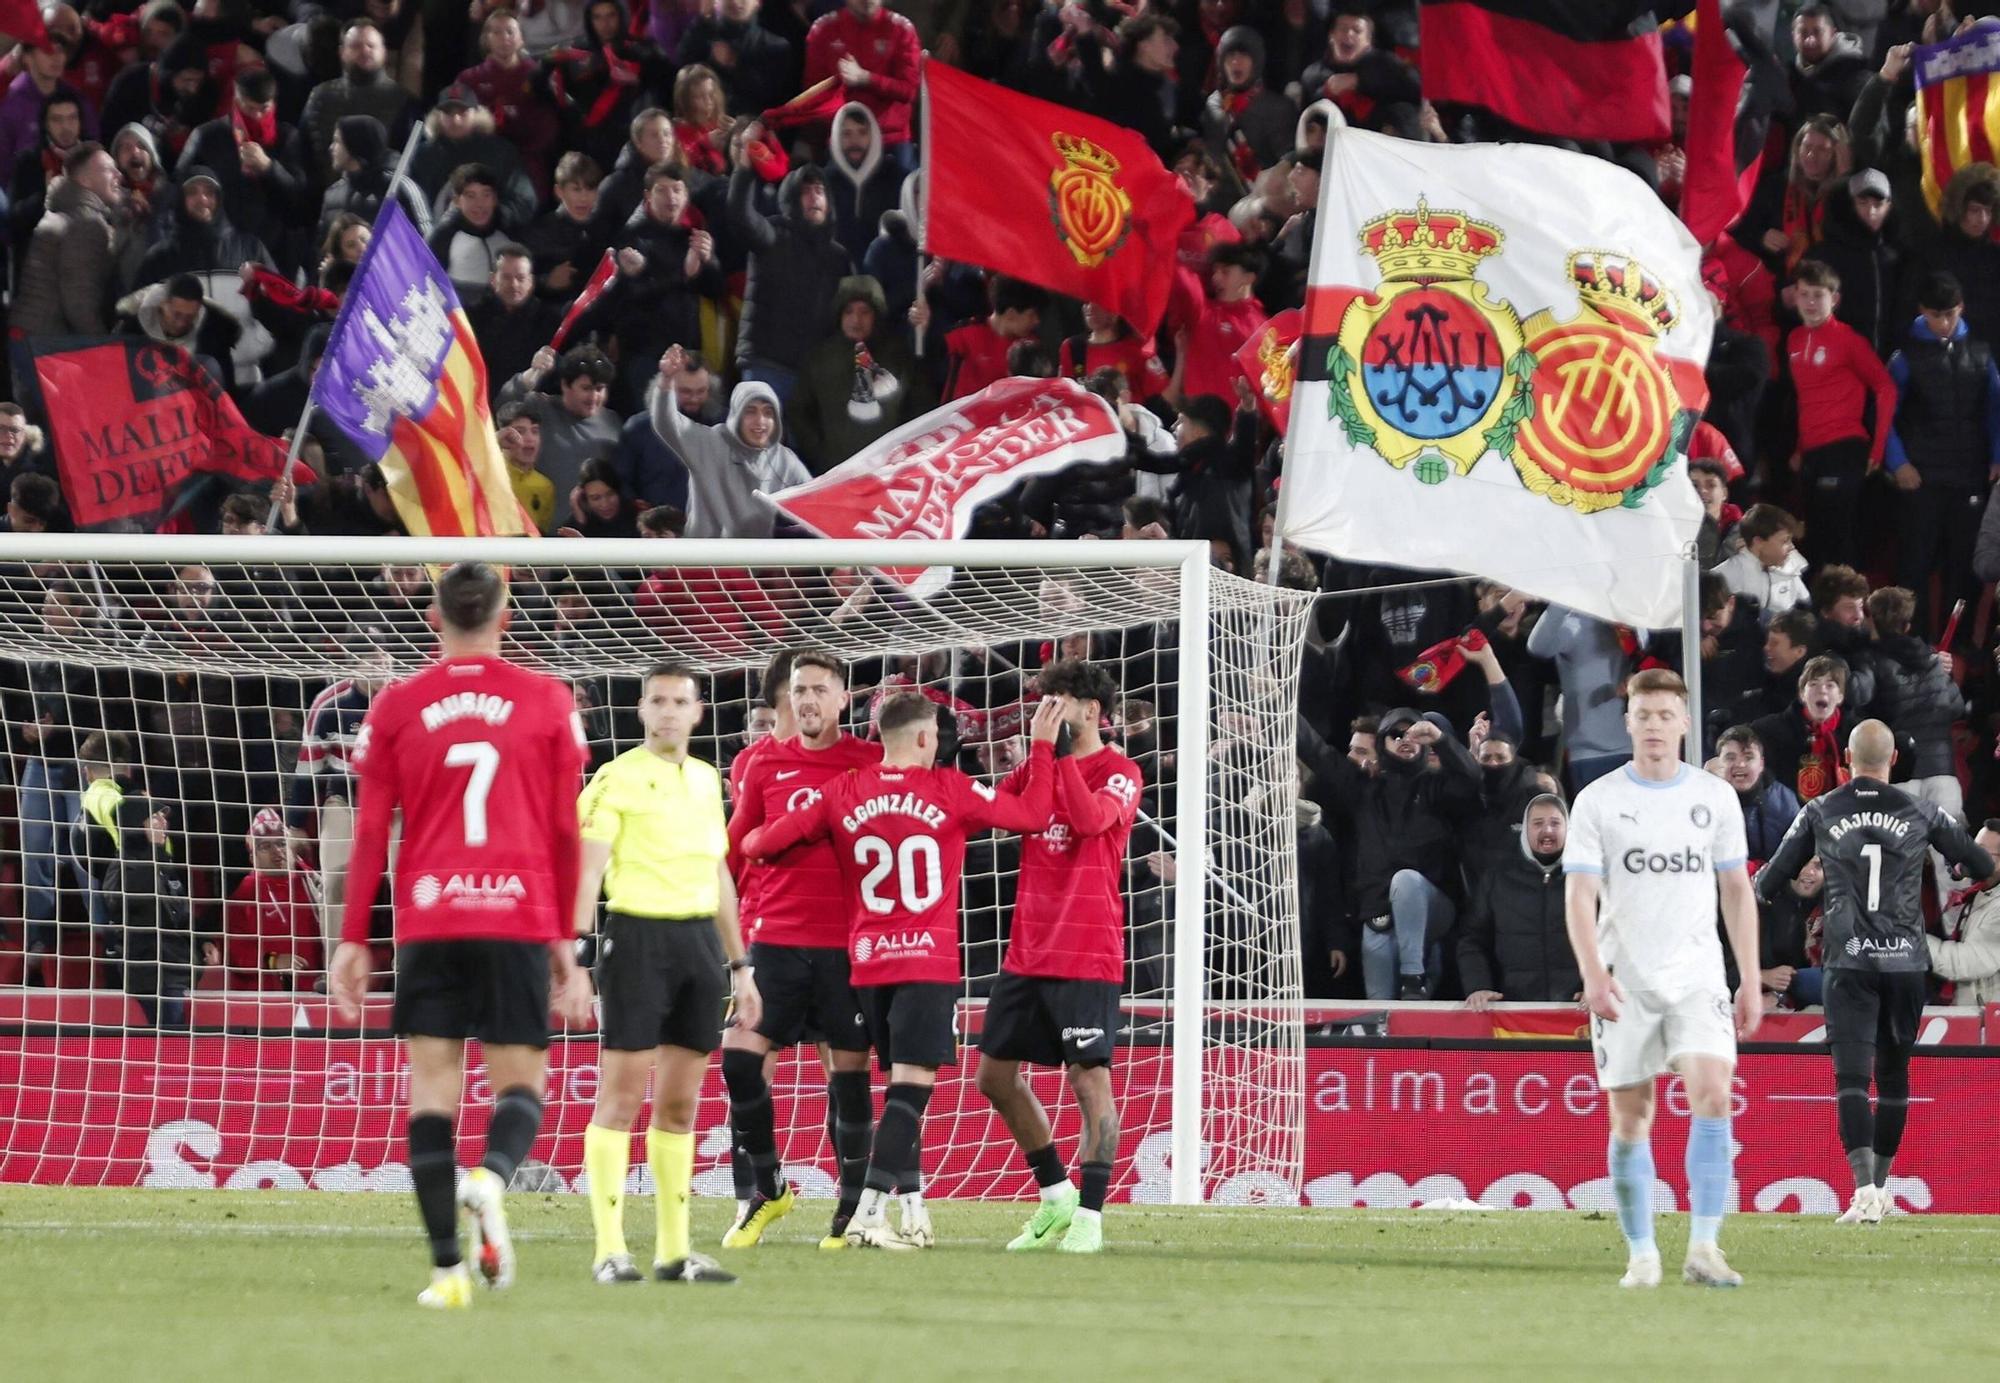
241,1287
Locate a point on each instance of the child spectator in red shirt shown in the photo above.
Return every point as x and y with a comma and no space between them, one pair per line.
976,353
270,924
1834,374
1109,341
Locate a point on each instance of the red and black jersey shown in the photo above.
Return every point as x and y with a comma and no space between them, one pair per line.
799,898
1069,908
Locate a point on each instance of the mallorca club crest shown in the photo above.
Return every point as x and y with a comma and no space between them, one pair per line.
1091,212
1607,419
1429,369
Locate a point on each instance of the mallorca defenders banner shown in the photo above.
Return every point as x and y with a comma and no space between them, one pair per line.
1501,368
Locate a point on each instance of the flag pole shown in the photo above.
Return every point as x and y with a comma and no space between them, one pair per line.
291,459
1697,736
920,231
400,178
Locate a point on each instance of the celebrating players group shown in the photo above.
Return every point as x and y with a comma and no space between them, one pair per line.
840,859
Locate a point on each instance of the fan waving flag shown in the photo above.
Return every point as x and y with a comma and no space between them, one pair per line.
1714,190
22,19
1501,368
403,378
593,289
133,421
1958,106
1039,192
1579,69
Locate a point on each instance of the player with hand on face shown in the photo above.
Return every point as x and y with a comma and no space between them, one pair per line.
899,831
483,759
1872,840
1650,845
1057,1000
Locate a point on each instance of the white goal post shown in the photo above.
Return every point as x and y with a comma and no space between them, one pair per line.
1225,1008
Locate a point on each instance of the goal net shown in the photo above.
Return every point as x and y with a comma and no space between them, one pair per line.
178,713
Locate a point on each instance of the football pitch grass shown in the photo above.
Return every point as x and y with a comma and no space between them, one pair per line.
239,1287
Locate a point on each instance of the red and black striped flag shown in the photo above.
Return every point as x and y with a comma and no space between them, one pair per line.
1576,69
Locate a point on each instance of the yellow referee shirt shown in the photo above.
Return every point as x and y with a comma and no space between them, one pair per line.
664,824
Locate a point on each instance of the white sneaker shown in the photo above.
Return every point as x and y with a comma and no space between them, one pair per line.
1706,1267
1857,1209
1879,1205
877,1233
480,1193
1642,1270
915,1229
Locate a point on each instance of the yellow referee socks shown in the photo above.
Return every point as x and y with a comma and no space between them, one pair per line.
671,1156
607,1153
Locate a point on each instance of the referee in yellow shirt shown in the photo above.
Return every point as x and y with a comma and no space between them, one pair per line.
670,958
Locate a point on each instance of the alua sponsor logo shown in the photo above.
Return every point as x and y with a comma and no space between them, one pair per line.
1868,945
887,946
469,891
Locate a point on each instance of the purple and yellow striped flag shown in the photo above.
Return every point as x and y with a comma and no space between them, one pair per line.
1958,106
402,376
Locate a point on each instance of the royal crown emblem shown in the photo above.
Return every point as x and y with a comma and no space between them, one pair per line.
1276,367
1091,212
1428,369
1607,418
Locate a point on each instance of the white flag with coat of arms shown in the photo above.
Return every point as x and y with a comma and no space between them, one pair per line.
1500,370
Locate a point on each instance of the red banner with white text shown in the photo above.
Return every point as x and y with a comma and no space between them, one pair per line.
1385,1127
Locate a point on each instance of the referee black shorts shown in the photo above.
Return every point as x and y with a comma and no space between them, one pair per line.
807,995
661,982
915,1023
1883,1009
496,991
1051,1022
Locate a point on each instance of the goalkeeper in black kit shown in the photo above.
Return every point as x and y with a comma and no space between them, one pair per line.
1872,840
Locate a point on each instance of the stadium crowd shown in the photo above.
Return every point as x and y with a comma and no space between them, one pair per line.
208,177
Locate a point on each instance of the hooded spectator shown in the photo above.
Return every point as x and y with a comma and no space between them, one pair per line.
729,464
1373,88
260,162
891,257
64,285
359,154
176,313
170,96
859,383
875,54
1248,126
202,240
756,67
795,266
860,181
460,131
511,85
1514,946
363,88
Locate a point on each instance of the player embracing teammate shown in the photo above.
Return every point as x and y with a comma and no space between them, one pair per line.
1650,848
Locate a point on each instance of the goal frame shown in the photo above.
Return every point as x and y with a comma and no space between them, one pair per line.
1187,997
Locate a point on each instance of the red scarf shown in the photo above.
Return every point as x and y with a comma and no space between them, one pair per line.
1821,770
1802,220
263,131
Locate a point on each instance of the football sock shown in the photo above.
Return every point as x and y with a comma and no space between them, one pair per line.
671,1156
1851,1061
1709,1157
742,1177
517,1118
1047,1165
1632,1182
1892,1109
434,1177
910,1181
847,1093
1861,1162
750,1117
896,1136
607,1156
1096,1182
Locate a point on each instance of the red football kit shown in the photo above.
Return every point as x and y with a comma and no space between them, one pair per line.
1069,906
975,356
272,916
899,834
1834,371
486,761
800,898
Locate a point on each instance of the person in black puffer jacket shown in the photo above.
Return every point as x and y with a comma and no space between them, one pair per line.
1769,807
1515,945
1405,822
203,241
1861,244
795,268
144,880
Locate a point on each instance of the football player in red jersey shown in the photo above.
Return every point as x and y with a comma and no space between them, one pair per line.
798,921
484,760
899,832
1057,1000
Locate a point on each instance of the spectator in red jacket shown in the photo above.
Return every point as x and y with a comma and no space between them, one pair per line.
876,55
1835,372
1216,326
270,926
976,353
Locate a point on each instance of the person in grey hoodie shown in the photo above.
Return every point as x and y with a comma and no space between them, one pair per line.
1515,944
1591,667
731,463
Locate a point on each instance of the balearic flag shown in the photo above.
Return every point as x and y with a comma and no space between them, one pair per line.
403,378
1958,106
1501,367
1580,69
1043,193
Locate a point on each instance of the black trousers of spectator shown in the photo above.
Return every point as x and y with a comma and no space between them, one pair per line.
1936,530
1833,475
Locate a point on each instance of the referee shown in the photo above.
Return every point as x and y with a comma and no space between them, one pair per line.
670,959
1873,841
